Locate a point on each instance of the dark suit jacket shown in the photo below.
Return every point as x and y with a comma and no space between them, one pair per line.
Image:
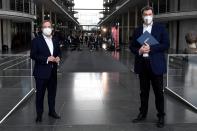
157,52
40,53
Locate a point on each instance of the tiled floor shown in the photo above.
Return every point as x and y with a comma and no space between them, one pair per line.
98,92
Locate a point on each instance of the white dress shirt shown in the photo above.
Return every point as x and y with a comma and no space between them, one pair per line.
147,28
49,43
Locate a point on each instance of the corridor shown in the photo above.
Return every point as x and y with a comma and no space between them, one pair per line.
97,91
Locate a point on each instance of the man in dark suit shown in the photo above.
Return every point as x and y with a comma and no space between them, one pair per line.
150,64
45,51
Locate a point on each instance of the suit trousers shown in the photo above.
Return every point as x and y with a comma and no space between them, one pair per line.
148,78
41,85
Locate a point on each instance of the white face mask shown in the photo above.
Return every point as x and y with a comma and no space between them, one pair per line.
47,31
148,20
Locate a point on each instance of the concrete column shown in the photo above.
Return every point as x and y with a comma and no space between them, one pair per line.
9,39
35,9
4,4
50,13
0,37
8,4
122,35
136,17
7,33
6,25
55,19
128,27
32,30
173,34
30,9
42,13
158,7
5,42
23,6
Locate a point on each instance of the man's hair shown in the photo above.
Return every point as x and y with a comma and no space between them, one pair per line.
45,21
146,8
191,37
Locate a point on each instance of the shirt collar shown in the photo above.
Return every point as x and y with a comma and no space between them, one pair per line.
47,37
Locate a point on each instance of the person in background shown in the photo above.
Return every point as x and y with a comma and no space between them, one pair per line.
191,39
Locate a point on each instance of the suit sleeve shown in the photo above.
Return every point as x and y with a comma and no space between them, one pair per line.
34,53
57,47
164,42
59,51
133,45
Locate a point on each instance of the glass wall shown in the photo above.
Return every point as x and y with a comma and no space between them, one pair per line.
23,6
16,82
21,35
181,77
161,6
0,4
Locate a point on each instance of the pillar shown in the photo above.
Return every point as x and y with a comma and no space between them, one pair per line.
122,35
23,6
136,17
32,30
7,33
50,13
6,4
9,39
0,37
42,13
173,35
55,19
6,25
35,10
128,27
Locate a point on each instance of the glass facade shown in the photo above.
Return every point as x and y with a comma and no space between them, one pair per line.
23,6
68,5
161,6
16,33
0,4
21,35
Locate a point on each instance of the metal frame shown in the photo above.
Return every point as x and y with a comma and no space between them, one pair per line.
171,91
25,98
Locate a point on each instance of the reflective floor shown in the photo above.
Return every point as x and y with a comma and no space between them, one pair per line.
97,91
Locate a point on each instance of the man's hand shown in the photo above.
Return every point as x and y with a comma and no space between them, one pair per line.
57,60
51,59
144,49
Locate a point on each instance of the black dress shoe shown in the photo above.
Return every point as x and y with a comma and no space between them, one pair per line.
139,118
54,115
38,119
160,122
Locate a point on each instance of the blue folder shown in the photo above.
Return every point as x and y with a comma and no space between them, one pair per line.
146,37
